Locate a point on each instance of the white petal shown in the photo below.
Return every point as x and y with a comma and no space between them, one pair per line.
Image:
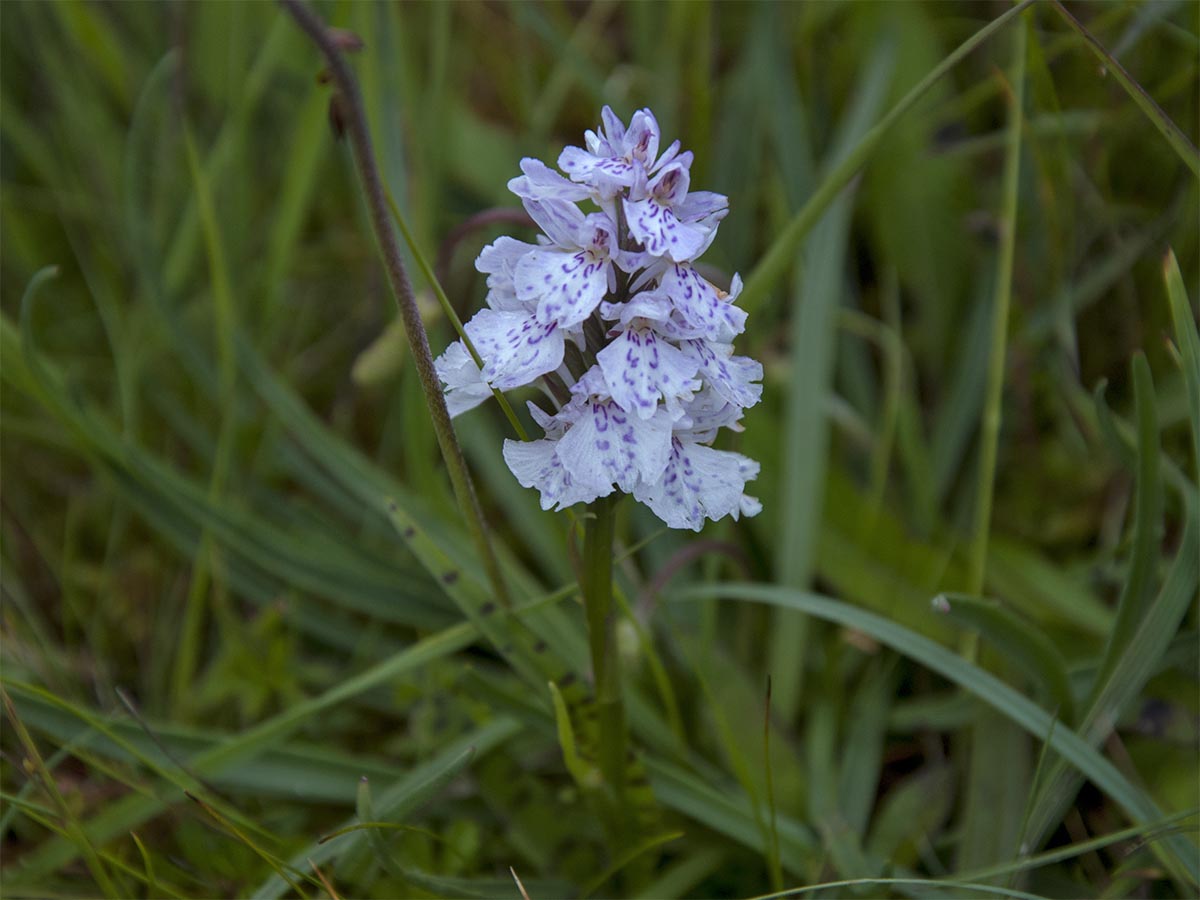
501,255
614,128
536,465
498,260
668,155
540,182
701,305
577,162
560,220
652,305
700,205
732,377
749,506
514,347
591,385
465,387
661,233
640,367
566,286
699,483
705,415
608,445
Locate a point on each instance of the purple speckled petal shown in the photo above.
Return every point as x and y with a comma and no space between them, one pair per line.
514,346
577,163
566,286
657,228
699,483
732,377
640,368
608,445
670,186
641,140
536,465
702,305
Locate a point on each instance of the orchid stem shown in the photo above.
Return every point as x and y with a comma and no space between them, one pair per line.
596,582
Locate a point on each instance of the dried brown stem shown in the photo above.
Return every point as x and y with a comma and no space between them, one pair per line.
355,120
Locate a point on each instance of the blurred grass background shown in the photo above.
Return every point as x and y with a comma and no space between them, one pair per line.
206,407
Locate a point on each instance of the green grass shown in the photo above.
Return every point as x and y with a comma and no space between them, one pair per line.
245,651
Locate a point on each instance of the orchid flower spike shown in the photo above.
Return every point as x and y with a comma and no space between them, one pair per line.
608,313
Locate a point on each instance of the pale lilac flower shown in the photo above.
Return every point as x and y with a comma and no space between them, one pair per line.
656,221
699,482
537,465
568,279
498,260
655,378
465,387
732,377
640,367
515,347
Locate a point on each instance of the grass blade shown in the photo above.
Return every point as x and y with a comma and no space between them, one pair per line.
781,254
1021,710
1175,137
1017,640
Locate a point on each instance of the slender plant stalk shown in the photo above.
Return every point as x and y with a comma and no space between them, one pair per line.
1000,305
596,580
988,830
414,329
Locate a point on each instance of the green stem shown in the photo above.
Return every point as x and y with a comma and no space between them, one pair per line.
596,581
990,431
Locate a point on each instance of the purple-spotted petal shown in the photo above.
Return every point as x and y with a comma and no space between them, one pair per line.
641,140
658,229
640,368
536,465
567,286
514,346
609,445
731,377
701,305
699,483
670,186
